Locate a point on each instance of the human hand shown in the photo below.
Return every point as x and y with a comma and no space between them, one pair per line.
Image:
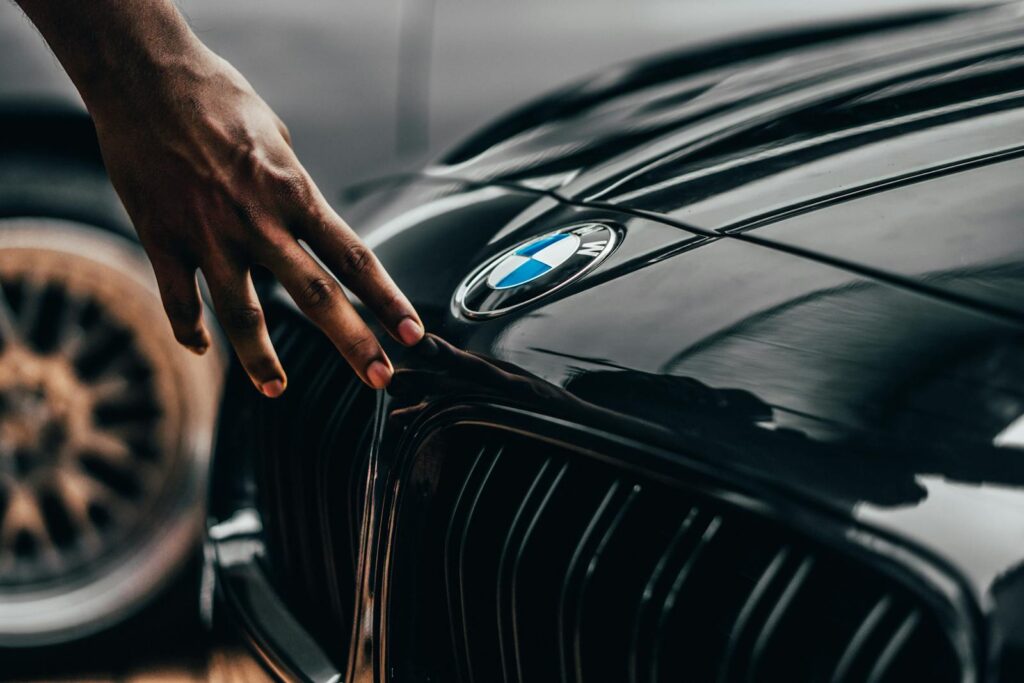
206,171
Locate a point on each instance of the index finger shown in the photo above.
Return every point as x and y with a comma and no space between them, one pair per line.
341,250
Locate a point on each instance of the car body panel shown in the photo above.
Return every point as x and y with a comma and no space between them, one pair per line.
932,209
958,233
882,402
856,352
878,340
831,352
858,134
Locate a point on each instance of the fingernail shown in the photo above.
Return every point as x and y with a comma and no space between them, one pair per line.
198,349
273,388
378,374
409,331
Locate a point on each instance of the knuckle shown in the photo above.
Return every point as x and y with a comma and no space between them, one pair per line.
319,293
359,347
243,319
393,304
292,186
355,260
246,160
251,214
250,155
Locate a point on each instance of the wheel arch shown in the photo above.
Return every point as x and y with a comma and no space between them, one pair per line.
50,127
51,166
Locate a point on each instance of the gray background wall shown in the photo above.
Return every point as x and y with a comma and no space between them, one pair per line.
375,86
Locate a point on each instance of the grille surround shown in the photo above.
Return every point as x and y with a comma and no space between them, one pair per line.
296,466
308,526
924,580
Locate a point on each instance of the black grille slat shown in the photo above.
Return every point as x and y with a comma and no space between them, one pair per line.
657,587
892,649
338,555
673,607
513,596
547,477
483,539
291,475
910,653
314,408
718,588
849,600
778,612
356,498
469,495
855,648
542,560
740,631
603,590
559,565
613,505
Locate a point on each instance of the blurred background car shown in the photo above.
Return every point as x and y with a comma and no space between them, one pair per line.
105,424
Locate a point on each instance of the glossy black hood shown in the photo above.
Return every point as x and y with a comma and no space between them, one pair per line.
860,144
819,283
887,400
726,117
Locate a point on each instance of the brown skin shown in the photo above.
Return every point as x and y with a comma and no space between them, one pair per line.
207,174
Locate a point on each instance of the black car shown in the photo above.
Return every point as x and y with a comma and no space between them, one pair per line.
725,385
105,423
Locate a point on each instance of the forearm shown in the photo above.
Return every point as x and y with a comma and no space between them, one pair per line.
207,173
109,47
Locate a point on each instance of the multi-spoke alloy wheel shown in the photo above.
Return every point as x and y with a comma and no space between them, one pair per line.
105,426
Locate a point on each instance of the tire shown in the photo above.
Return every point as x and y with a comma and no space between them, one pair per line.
106,423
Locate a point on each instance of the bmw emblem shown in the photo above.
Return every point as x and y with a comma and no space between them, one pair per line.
533,269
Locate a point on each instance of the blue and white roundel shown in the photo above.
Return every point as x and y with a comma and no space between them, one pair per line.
533,269
533,260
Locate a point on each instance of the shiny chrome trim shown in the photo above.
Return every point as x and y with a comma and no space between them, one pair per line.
235,546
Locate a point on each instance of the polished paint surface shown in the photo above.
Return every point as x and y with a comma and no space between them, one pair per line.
817,289
857,280
889,391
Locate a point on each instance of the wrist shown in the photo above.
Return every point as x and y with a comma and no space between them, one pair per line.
122,54
154,76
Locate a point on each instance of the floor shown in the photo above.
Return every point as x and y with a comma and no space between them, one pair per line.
222,665
167,642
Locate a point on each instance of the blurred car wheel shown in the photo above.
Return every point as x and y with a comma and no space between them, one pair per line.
105,422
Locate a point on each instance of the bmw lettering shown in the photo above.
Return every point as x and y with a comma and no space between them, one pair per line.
534,269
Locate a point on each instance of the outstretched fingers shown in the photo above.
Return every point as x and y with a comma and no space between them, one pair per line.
321,298
357,267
